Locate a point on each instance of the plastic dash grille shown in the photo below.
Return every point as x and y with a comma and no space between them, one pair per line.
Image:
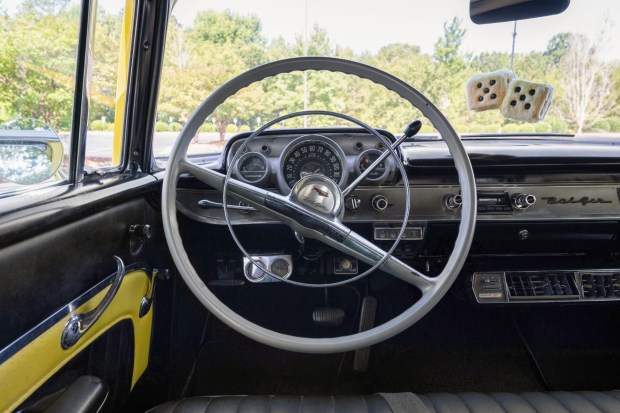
526,286
598,286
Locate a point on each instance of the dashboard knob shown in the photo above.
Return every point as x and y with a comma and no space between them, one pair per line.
141,231
523,201
453,201
346,264
352,203
379,202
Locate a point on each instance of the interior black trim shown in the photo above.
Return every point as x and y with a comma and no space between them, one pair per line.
35,212
86,395
77,143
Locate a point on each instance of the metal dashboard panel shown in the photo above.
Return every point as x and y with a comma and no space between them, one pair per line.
557,202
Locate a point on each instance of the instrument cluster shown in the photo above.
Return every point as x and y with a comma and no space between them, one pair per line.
280,161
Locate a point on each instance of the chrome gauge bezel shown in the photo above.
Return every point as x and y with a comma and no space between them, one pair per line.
259,182
249,268
263,264
283,185
388,162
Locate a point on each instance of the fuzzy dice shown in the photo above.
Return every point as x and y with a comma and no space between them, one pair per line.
487,90
527,101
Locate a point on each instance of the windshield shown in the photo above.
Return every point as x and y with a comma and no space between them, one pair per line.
438,50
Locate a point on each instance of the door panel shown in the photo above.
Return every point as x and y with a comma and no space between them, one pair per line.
67,270
48,271
41,355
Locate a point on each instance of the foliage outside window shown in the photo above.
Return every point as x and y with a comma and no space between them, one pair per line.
218,45
38,50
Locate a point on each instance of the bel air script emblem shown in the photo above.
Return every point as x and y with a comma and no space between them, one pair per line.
320,192
572,200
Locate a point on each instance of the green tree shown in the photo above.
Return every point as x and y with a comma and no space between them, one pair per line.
450,72
589,95
558,47
225,44
318,43
490,61
44,7
46,47
447,47
221,28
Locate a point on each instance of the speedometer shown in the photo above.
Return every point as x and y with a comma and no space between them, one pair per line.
313,154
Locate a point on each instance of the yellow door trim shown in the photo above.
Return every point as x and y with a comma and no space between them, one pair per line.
30,367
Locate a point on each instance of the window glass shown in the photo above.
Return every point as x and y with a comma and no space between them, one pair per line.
435,49
110,59
38,49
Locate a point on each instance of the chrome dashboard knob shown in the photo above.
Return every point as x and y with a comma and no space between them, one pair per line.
453,201
379,202
523,201
352,203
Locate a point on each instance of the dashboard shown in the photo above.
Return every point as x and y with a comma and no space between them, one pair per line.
548,209
279,162
517,180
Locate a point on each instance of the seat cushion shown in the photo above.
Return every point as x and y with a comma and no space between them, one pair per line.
550,402
277,404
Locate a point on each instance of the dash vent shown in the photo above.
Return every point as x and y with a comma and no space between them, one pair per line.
541,286
600,286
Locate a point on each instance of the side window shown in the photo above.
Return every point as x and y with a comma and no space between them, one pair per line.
38,50
38,62
110,62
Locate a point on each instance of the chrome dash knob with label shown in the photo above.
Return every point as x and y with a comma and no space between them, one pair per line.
523,201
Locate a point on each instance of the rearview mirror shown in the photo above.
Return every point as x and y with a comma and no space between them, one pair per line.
495,11
30,151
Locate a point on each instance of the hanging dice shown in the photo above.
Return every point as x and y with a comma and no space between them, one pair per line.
527,101
487,90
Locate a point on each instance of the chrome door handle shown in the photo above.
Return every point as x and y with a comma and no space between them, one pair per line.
79,324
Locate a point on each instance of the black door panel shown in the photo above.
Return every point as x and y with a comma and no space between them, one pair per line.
44,273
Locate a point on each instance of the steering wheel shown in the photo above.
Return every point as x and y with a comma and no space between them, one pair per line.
307,221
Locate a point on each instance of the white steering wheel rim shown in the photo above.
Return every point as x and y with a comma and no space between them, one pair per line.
333,344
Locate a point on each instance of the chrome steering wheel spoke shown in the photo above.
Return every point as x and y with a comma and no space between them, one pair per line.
364,250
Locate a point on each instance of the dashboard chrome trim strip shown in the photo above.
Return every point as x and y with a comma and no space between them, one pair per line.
591,202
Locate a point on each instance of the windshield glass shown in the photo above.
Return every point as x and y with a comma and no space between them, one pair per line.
568,71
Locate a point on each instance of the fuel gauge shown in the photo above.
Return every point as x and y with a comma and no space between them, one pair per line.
281,268
253,168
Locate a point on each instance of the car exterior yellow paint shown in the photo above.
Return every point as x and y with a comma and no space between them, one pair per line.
28,369
121,80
